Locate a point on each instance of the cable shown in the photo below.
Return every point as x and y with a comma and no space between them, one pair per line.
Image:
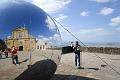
86,46
68,31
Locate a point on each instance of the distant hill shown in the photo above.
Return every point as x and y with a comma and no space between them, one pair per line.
95,44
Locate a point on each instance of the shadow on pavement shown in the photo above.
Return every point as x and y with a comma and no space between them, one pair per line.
70,77
41,70
24,61
93,68
88,68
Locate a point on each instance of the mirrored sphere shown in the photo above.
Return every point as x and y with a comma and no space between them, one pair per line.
35,35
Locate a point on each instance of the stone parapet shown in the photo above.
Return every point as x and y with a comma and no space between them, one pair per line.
105,50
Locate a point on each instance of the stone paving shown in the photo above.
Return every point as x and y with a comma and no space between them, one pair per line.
92,67
66,69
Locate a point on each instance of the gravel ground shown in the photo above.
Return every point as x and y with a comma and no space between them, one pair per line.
66,69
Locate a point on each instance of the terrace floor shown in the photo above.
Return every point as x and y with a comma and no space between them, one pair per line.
94,68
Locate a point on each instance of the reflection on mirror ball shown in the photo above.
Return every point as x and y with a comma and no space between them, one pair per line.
35,35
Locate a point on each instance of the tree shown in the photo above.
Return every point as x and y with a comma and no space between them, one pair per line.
2,45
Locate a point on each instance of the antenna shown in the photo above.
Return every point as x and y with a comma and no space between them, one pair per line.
31,49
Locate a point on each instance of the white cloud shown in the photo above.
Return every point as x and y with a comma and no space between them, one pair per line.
84,13
91,34
115,21
61,17
94,34
102,1
95,31
87,31
8,37
50,24
40,36
55,39
65,35
106,11
51,6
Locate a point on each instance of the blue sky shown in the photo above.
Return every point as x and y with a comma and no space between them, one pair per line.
89,20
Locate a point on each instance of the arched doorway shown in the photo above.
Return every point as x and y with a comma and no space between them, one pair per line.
20,48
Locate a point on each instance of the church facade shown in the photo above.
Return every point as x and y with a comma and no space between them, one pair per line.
21,39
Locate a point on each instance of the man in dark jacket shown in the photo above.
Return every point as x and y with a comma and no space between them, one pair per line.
77,54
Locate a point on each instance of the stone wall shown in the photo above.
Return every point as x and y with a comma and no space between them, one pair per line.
105,50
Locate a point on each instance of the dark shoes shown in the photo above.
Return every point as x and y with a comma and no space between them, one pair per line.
79,67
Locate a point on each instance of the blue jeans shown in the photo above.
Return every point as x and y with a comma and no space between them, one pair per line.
15,58
77,58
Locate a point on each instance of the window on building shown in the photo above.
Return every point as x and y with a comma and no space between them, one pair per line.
37,47
40,47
